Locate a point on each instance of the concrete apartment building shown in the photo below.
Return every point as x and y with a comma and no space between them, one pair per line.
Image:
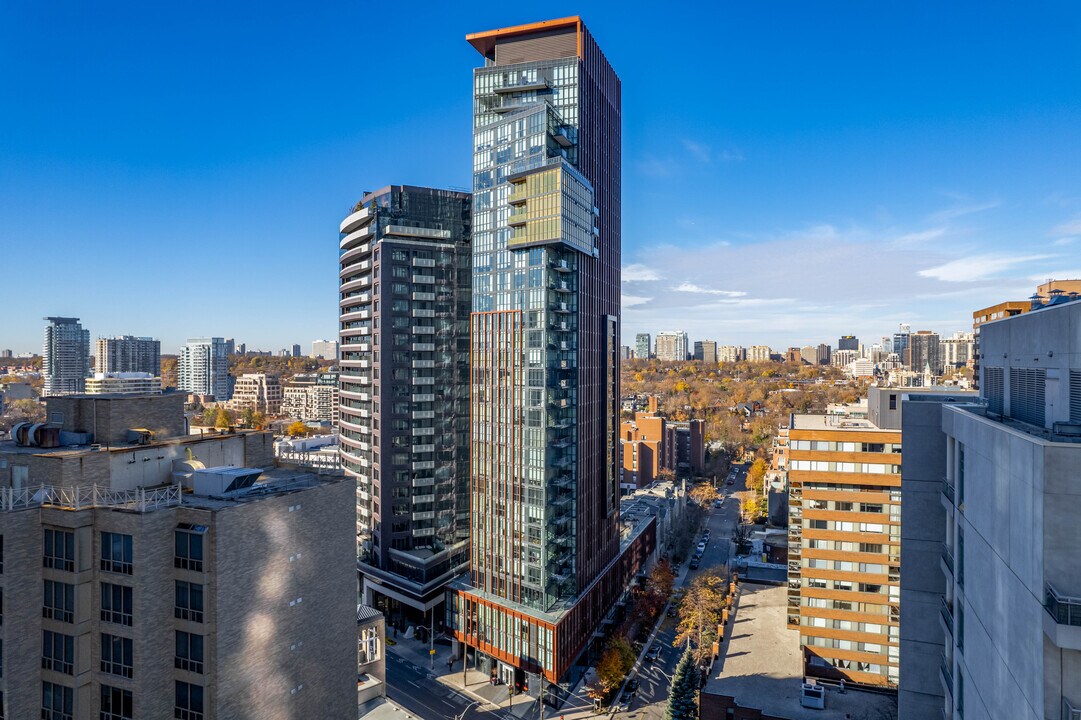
404,388
65,359
128,353
671,345
642,346
140,584
731,353
258,391
123,382
705,351
203,368
311,397
844,489
549,556
759,353
957,350
326,349
1009,608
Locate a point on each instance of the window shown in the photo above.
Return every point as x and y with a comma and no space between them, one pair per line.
58,652
116,604
189,652
189,601
189,701
116,655
893,401
57,702
116,553
115,704
59,552
58,602
188,542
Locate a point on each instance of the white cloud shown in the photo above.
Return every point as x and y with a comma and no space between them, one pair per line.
639,273
1065,241
1070,227
965,208
977,267
698,150
629,301
692,288
923,236
1059,274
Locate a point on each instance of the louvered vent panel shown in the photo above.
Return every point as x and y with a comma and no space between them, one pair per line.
1027,390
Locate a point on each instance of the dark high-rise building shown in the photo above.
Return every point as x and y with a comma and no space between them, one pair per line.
403,394
128,353
848,342
924,352
65,360
546,553
900,343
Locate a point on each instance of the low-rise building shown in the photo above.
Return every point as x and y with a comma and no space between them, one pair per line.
171,576
259,392
124,383
311,397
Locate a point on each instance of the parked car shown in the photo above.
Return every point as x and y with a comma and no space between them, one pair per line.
695,562
729,481
632,686
718,503
653,654
671,611
701,547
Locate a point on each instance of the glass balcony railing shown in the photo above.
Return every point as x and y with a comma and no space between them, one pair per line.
947,673
947,490
1066,610
947,614
947,556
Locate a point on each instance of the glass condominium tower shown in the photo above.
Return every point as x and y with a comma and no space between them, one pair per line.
544,490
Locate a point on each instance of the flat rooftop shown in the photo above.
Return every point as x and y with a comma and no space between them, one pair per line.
833,422
8,447
761,665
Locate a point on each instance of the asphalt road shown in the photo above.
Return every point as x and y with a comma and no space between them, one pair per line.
409,686
655,677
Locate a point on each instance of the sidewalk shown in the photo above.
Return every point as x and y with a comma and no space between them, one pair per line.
476,685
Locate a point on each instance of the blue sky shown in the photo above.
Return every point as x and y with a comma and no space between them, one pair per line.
792,171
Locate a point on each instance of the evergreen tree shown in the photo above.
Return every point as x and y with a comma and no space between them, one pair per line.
683,696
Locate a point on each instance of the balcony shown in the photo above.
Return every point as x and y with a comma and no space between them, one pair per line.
423,347
946,611
947,674
517,219
423,262
421,449
947,557
948,490
1062,621
562,266
523,85
424,296
424,279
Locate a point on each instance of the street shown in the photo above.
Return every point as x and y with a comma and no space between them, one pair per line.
409,686
655,677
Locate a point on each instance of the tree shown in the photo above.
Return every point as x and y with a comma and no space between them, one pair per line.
752,505
683,695
222,419
704,494
24,410
700,610
297,429
616,662
247,416
666,475
756,476
258,420
662,579
209,415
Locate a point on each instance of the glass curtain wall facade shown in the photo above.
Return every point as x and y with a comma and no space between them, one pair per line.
403,396
544,345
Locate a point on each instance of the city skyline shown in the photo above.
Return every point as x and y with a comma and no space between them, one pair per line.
914,170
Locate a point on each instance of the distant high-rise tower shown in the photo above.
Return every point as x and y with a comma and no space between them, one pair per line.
672,345
404,393
326,349
705,351
203,368
642,346
128,353
65,362
848,342
546,554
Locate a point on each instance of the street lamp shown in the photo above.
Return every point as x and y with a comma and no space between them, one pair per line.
462,716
